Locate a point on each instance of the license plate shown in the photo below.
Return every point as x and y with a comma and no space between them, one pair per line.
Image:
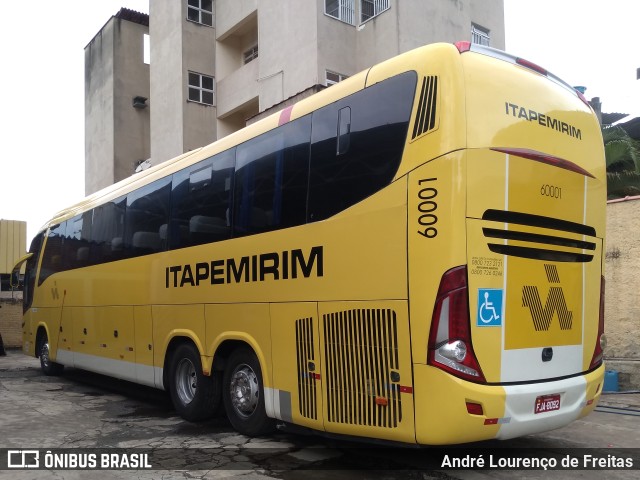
547,403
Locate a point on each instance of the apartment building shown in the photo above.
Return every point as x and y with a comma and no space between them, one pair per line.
217,65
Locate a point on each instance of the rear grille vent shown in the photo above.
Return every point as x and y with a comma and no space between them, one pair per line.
537,253
361,348
426,116
306,368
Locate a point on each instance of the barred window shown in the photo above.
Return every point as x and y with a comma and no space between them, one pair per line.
200,11
251,54
371,8
479,35
343,10
200,88
333,78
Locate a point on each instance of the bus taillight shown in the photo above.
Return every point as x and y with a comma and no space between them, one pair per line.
450,346
601,340
463,46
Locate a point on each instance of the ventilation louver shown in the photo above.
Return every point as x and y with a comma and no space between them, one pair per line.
426,116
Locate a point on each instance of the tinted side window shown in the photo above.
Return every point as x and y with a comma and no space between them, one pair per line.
200,203
357,144
107,232
77,241
30,272
52,258
147,212
271,179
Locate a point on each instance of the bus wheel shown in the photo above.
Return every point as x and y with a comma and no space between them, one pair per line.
194,395
243,394
48,366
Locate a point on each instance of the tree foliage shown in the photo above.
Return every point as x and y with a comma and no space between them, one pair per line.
622,155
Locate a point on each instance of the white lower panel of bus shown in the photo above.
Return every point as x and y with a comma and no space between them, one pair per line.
520,417
524,364
133,372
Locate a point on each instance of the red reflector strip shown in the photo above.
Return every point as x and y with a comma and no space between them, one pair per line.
590,402
544,158
531,66
316,376
497,421
404,389
474,408
383,402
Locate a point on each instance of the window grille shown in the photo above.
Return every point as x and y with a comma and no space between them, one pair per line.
332,78
251,54
479,35
343,10
371,8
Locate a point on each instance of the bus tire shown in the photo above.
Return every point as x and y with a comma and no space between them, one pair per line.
49,367
243,394
195,396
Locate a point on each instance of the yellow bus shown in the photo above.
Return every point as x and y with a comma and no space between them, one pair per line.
412,255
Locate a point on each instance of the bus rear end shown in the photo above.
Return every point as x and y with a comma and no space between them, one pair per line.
516,318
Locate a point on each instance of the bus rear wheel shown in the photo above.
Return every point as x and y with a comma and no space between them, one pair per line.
195,396
49,367
243,394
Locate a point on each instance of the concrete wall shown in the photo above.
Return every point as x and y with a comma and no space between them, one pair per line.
622,275
198,55
116,134
408,24
98,111
168,85
297,44
131,79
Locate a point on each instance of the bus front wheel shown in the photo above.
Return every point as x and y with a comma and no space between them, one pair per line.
195,396
49,367
243,394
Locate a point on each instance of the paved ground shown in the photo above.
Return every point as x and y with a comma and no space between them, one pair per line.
88,411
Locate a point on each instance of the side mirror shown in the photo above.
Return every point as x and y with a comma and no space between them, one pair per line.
14,280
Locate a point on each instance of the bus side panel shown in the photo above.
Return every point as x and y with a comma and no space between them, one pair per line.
49,318
65,346
245,322
436,237
296,364
143,333
367,380
442,417
169,321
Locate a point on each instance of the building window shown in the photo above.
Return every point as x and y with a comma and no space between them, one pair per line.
343,10
200,11
371,8
333,77
200,88
251,54
479,35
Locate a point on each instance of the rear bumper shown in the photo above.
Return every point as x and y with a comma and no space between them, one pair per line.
508,411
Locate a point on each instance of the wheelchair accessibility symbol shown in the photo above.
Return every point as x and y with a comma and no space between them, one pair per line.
489,307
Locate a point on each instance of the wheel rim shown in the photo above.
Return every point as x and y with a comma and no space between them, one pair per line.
186,381
244,390
44,355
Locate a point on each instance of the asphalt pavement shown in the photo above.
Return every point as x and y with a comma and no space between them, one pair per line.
80,416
